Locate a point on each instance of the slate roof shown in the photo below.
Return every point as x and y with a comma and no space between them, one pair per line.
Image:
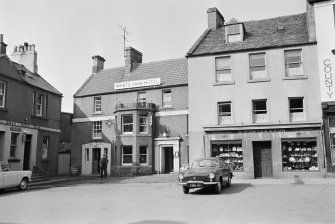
172,72
36,80
258,34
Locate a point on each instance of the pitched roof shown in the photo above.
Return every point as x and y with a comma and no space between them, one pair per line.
35,79
172,72
258,34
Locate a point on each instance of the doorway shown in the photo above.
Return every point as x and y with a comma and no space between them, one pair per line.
262,159
27,149
96,160
167,160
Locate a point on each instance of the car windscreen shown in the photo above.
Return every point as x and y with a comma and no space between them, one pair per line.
204,163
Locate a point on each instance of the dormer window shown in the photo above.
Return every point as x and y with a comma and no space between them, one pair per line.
234,32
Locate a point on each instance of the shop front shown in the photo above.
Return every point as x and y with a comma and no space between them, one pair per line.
276,151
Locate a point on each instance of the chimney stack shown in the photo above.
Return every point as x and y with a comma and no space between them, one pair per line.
26,55
132,57
215,19
98,64
311,21
2,45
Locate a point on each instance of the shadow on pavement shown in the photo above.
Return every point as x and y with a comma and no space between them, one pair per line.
234,189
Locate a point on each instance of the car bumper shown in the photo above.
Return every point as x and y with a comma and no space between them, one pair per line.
197,184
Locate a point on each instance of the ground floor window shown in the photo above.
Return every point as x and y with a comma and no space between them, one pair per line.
300,154
13,144
127,155
230,151
143,155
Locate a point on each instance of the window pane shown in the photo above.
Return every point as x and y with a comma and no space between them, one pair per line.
257,59
2,88
127,149
127,119
260,105
167,98
292,56
97,104
224,108
222,63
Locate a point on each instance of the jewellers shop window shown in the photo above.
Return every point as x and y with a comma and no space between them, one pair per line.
127,124
13,144
127,155
230,151
143,155
45,147
300,154
2,94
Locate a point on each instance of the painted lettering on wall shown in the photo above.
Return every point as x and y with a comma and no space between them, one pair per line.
328,77
137,83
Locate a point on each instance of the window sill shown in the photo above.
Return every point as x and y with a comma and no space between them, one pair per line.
259,80
166,108
224,83
295,77
4,109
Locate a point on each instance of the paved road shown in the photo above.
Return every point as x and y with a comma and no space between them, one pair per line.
139,203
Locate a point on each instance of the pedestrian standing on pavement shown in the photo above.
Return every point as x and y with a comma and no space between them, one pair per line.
103,167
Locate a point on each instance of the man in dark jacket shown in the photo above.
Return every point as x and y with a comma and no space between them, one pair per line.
103,167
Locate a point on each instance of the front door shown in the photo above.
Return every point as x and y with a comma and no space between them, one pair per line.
95,161
262,159
168,155
26,158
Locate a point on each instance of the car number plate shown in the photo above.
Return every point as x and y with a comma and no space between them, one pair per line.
195,185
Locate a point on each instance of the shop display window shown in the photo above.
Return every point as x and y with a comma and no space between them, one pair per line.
231,152
300,155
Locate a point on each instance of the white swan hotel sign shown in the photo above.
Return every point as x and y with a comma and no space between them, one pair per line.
137,83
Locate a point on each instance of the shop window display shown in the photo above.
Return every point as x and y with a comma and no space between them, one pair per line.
231,152
300,155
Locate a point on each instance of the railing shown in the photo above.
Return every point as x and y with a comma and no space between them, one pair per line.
136,105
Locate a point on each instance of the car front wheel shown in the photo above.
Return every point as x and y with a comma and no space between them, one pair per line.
23,184
218,187
186,190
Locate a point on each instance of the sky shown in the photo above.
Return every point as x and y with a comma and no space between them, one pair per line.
67,33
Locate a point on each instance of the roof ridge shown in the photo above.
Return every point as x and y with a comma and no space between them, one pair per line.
277,17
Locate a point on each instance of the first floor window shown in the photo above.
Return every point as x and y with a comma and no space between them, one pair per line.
97,129
230,151
257,66
141,97
224,113
127,124
167,100
260,113
300,154
143,154
127,155
39,105
45,146
293,63
2,94
97,104
143,124
297,109
13,144
223,69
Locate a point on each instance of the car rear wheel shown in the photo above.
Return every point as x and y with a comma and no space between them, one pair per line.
23,184
186,190
229,181
218,187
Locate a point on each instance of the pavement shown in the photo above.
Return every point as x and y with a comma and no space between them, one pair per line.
168,178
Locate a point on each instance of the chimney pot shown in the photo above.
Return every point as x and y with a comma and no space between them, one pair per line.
98,64
3,46
215,18
133,57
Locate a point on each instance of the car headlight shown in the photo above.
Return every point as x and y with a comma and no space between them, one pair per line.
181,176
211,175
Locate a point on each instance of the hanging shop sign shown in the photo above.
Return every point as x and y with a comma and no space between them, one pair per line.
137,83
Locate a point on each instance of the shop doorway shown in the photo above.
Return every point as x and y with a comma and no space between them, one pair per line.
167,159
95,160
27,149
262,159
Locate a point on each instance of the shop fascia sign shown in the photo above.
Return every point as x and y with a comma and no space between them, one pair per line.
16,124
137,83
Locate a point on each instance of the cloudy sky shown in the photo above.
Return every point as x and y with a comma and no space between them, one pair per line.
67,33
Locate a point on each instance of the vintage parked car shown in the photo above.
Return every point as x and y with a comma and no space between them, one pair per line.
211,172
8,178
